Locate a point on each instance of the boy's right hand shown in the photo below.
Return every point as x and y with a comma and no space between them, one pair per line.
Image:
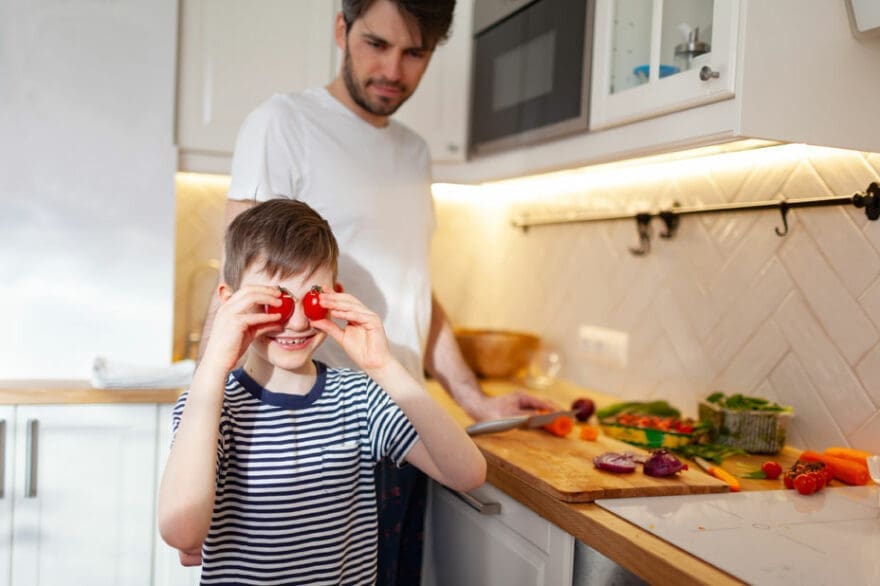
239,319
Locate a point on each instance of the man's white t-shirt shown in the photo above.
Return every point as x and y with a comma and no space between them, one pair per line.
371,184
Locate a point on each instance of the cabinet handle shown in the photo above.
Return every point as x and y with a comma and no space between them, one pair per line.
32,448
476,504
2,458
707,73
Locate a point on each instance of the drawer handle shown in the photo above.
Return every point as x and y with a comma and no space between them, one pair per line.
476,504
32,449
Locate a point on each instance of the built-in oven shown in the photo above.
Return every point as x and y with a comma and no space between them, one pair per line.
531,71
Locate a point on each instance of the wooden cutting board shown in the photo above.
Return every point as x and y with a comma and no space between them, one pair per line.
563,467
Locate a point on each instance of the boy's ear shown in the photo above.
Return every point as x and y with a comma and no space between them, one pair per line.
224,292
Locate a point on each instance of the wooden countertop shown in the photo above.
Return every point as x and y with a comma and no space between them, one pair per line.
641,552
61,392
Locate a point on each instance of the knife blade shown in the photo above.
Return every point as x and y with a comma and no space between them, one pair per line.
719,473
517,422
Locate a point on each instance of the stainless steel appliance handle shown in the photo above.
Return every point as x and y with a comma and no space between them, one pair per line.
2,458
32,449
476,504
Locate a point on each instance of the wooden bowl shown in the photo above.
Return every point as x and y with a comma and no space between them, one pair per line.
496,353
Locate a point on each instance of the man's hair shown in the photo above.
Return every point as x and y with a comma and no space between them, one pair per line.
433,17
287,236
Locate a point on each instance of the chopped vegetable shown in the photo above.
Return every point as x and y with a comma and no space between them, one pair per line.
615,462
583,408
740,402
662,463
561,426
589,433
844,470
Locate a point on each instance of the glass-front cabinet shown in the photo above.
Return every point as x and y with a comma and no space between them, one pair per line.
652,57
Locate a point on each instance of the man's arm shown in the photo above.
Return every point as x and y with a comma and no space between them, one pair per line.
234,207
445,363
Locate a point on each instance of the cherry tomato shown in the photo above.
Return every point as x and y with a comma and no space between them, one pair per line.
805,484
285,310
771,469
819,478
312,304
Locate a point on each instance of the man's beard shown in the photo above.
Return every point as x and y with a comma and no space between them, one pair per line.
379,107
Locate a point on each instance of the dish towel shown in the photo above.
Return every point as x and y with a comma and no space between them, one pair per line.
107,374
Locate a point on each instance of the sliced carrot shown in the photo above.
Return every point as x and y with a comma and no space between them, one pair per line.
589,433
852,454
844,470
560,426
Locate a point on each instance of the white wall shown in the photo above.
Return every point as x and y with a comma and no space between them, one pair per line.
86,184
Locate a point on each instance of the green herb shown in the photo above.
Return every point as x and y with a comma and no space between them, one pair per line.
740,402
713,452
658,408
756,474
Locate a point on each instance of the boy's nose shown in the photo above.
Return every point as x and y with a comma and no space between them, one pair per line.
297,319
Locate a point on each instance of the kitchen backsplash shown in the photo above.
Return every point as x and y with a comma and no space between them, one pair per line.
724,305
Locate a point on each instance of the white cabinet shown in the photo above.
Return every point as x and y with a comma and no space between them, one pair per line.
513,546
233,56
775,63
651,58
78,488
7,434
439,108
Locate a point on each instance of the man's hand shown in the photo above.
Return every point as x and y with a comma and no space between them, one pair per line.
515,403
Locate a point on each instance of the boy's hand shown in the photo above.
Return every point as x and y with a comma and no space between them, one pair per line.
363,337
239,320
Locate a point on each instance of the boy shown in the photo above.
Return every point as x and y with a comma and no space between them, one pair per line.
272,464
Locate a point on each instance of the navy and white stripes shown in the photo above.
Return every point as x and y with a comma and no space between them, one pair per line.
296,498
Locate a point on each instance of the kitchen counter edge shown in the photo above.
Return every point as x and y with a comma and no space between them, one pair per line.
67,392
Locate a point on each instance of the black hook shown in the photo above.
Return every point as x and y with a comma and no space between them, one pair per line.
783,209
870,200
643,224
672,221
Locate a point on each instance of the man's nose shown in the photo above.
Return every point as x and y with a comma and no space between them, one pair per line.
392,66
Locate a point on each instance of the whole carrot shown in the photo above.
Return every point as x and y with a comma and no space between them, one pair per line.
844,470
561,426
852,454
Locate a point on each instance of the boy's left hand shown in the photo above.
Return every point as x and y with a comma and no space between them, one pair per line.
363,336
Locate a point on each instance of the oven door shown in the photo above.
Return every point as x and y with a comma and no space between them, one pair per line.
531,75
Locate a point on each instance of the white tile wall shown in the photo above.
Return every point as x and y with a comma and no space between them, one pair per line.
726,304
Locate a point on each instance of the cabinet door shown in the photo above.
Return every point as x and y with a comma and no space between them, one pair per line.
7,439
438,110
652,58
234,55
512,547
83,495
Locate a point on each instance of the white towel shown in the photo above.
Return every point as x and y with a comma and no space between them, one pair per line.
115,375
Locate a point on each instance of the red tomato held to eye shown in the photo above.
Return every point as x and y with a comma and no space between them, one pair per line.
312,304
285,310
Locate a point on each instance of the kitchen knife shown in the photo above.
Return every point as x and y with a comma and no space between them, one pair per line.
719,473
518,422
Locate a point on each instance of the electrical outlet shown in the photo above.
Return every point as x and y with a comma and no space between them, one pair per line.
604,346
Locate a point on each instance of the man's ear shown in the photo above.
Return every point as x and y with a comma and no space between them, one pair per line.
339,31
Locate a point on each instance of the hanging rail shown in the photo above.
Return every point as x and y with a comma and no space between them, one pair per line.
869,199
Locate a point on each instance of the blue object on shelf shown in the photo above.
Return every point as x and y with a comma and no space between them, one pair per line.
642,71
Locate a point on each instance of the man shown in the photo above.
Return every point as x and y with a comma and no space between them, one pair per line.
337,149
